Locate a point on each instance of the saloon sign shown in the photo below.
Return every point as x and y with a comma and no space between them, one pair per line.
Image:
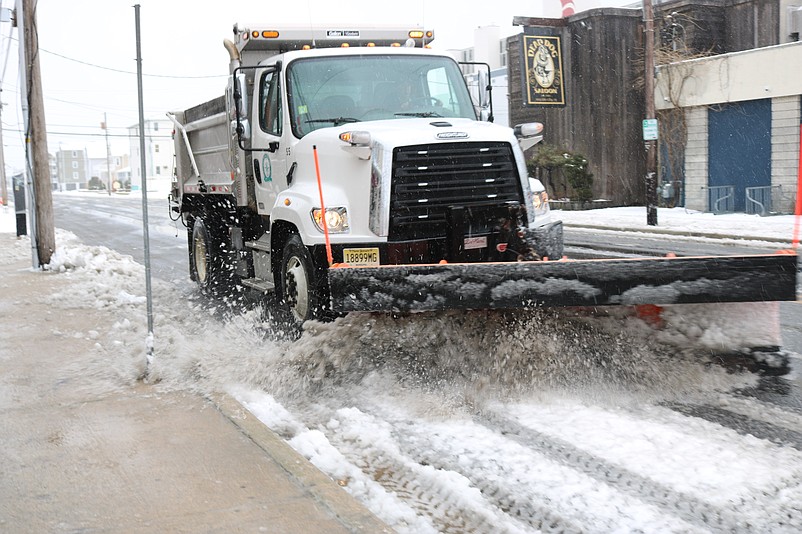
543,69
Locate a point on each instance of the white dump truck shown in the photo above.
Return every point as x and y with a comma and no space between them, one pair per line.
373,127
348,169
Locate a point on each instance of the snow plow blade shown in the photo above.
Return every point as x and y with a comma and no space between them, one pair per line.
685,280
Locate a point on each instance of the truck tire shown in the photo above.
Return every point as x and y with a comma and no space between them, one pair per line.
209,264
302,285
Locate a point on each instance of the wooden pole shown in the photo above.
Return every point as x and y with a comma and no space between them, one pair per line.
651,145
36,136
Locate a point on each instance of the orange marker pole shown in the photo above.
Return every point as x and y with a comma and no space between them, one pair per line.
322,208
798,210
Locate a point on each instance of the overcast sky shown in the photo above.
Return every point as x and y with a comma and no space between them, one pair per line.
84,43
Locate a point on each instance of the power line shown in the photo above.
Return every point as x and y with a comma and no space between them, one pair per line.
122,71
79,134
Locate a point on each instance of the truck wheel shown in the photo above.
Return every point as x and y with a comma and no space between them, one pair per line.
301,284
208,262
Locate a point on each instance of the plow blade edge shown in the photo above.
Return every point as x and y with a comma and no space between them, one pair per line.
685,280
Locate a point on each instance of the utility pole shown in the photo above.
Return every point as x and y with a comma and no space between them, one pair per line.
37,166
108,152
649,142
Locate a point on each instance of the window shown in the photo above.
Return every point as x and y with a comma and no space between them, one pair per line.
156,147
270,103
158,170
74,164
329,91
156,127
75,175
502,48
74,154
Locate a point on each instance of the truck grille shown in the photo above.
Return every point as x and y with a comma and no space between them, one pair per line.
428,179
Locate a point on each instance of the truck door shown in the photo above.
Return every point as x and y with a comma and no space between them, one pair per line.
268,159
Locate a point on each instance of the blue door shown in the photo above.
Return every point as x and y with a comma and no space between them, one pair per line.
739,146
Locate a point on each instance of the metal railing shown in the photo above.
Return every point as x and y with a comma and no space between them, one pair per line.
760,200
720,198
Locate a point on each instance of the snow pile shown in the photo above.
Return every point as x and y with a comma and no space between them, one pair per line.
683,220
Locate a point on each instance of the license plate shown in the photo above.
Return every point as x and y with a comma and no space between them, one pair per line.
475,242
361,256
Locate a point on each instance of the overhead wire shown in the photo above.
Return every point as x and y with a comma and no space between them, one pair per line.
123,71
84,134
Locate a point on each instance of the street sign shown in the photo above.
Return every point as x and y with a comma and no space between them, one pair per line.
650,129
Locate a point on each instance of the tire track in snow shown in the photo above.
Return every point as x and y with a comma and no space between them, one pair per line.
448,499
775,391
678,504
743,424
548,496
784,416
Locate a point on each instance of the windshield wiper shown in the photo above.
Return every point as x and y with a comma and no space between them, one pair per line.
418,114
335,120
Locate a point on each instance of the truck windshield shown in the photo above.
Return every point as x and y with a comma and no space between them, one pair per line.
329,91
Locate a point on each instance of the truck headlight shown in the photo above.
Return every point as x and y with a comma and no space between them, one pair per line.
336,219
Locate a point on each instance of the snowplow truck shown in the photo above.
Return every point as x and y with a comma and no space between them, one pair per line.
350,169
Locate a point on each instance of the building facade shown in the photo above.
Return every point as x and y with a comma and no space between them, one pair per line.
159,155
727,91
73,169
742,116
105,172
491,49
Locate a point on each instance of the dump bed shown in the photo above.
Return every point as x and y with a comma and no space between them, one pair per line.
203,162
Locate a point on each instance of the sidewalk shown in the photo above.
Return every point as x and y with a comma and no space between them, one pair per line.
686,223
75,457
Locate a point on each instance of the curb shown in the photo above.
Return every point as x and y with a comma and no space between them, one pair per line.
665,231
348,511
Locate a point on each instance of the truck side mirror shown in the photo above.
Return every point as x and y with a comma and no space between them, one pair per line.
237,106
241,95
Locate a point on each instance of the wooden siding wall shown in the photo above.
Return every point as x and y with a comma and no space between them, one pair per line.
700,29
743,17
602,58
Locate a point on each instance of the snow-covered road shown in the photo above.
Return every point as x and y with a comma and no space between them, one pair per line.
469,421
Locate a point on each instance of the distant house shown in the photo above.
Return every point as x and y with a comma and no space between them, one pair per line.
159,153
72,167
51,161
104,170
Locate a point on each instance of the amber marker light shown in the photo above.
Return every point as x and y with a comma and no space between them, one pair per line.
270,34
345,45
306,47
357,138
416,34
255,35
370,45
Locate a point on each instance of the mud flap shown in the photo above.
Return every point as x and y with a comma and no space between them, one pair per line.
705,279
